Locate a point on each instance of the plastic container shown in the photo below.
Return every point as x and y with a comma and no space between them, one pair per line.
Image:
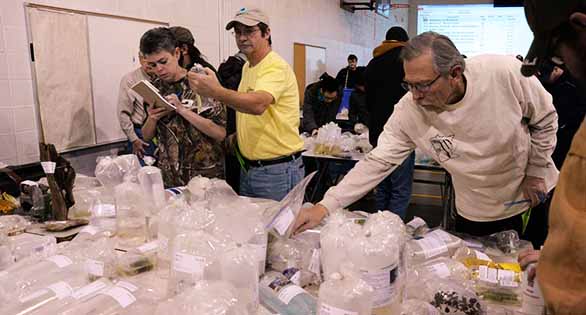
151,181
204,298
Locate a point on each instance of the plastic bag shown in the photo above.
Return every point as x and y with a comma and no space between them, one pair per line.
437,243
327,141
238,266
194,258
417,307
13,224
295,259
111,171
497,281
345,293
335,238
25,245
204,298
130,214
421,278
280,219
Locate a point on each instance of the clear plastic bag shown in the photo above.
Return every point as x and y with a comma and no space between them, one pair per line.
238,266
295,258
25,245
345,293
327,141
497,281
13,224
437,243
111,171
421,278
280,295
194,258
130,214
335,238
204,298
417,307
279,220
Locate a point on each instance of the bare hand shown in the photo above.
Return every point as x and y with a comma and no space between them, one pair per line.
157,113
174,100
528,257
309,217
204,84
138,147
534,189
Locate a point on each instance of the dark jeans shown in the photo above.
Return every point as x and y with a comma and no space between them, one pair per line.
394,192
536,230
150,150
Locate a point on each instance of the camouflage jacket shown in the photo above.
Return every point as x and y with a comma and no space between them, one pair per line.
185,151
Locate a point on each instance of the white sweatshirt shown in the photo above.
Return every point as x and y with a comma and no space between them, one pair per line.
502,130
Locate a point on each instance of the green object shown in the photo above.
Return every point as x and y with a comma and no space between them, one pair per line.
526,215
240,160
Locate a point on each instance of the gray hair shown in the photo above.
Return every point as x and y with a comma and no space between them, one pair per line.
444,52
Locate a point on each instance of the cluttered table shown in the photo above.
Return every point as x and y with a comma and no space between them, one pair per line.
206,250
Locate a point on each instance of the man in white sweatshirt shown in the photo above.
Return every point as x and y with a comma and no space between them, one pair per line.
491,128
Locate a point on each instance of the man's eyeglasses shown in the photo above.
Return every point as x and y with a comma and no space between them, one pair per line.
421,87
247,32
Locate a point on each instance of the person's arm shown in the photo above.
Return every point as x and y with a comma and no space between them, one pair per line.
541,119
125,108
309,124
394,146
207,126
149,129
207,84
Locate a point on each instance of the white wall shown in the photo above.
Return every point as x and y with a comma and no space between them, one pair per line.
317,22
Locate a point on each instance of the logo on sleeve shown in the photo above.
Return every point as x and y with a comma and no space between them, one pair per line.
444,147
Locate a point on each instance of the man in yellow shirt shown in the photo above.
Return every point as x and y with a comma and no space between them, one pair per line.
267,110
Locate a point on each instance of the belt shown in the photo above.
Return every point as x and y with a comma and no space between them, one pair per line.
261,163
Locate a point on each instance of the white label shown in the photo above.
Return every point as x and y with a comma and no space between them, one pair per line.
61,289
33,295
150,246
104,210
49,167
91,230
487,274
383,284
314,263
189,264
440,234
416,223
289,292
325,309
296,278
60,260
89,289
284,220
432,246
506,278
482,256
127,285
122,296
94,267
441,270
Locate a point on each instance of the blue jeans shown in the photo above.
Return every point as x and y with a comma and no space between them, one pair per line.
271,181
394,192
150,150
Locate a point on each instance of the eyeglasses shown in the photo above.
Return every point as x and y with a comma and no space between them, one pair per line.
247,32
421,87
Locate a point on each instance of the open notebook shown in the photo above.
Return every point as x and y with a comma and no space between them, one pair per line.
151,95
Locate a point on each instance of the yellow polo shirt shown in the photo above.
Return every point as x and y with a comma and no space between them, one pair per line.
275,133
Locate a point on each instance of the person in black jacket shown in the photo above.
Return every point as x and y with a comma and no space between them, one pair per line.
230,74
569,103
384,74
190,54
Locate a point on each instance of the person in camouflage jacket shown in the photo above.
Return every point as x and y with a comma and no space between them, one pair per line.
190,137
